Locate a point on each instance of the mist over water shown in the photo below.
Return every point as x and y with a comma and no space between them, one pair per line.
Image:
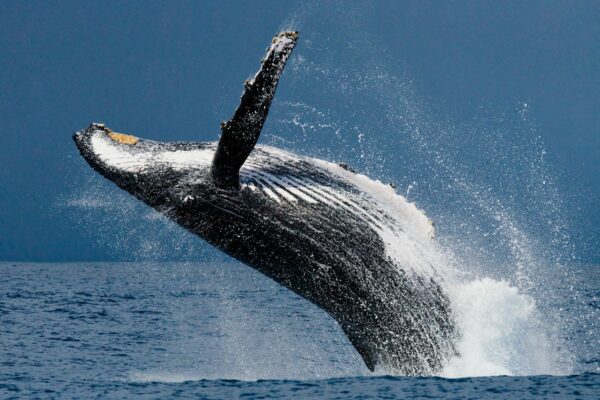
502,245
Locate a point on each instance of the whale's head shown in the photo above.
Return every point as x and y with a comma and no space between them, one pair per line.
157,173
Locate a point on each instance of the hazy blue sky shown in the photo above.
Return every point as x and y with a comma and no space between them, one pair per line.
370,82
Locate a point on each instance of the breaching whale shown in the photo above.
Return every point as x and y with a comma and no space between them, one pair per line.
315,227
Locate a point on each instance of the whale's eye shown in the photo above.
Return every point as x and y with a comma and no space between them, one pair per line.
123,138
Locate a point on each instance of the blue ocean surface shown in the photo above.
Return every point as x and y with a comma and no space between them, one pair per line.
222,331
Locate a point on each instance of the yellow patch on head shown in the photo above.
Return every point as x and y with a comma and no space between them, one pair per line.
123,138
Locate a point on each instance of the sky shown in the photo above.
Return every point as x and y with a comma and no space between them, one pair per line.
500,99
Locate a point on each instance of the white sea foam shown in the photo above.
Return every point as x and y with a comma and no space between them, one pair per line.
500,332
165,377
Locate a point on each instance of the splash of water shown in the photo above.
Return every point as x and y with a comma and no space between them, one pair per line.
124,226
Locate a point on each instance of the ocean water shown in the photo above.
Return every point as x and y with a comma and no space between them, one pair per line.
222,331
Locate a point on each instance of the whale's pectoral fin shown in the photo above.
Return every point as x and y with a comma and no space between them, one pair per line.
240,133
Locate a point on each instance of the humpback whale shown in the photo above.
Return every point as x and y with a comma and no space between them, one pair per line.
318,228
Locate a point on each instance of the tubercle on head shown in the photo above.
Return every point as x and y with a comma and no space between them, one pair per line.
116,136
293,35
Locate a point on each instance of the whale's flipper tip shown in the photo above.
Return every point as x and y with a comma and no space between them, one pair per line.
240,133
